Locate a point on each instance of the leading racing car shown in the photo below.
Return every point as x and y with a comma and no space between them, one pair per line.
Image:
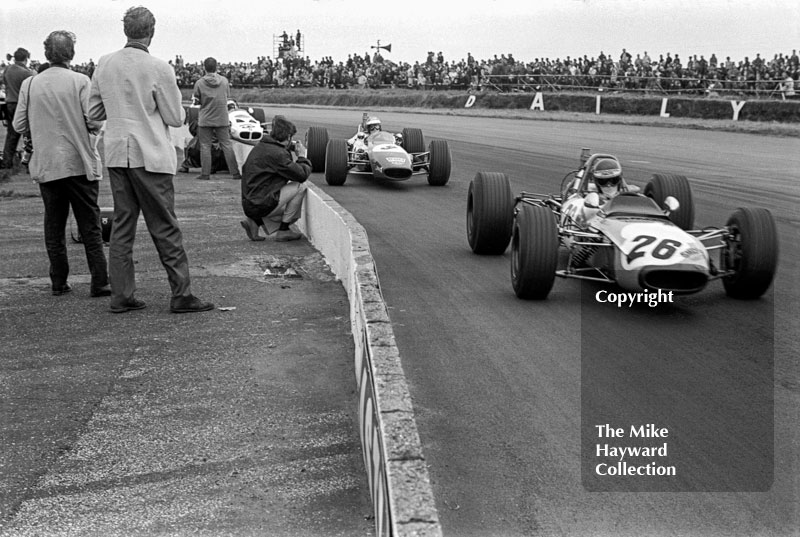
374,152
642,241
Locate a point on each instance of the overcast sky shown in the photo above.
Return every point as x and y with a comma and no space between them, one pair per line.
239,30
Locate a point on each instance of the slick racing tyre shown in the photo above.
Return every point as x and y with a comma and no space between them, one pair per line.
490,213
258,114
317,143
661,186
413,141
534,252
336,162
440,163
751,253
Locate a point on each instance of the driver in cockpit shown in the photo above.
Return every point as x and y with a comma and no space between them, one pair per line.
369,126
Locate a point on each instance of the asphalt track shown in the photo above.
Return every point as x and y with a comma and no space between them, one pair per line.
502,387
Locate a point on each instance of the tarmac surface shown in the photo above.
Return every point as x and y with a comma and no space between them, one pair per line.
238,421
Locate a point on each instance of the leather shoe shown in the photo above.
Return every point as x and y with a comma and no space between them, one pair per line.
132,304
183,169
100,291
189,304
59,290
285,235
251,228
203,177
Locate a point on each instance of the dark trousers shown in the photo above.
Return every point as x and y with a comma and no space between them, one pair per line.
136,190
80,194
12,137
205,136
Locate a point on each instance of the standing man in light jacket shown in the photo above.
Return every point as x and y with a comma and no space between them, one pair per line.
139,97
52,106
212,92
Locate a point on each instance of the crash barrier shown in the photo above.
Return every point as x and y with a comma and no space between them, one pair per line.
397,474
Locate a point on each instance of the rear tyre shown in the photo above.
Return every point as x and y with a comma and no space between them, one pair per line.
534,252
490,213
661,186
752,253
413,141
258,114
439,168
317,143
336,162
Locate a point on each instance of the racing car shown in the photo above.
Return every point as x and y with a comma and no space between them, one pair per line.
247,125
640,241
380,154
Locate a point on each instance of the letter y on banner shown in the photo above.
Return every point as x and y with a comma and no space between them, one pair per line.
737,107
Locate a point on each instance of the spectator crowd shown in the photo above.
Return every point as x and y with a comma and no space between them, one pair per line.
667,73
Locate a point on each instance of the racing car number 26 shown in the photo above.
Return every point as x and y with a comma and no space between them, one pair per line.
647,249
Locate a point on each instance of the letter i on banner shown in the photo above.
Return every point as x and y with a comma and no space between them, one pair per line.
538,103
597,107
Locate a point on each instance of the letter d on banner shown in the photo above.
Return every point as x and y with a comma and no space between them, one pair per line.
538,103
470,101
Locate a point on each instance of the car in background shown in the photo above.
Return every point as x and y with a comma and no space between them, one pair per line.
247,125
383,155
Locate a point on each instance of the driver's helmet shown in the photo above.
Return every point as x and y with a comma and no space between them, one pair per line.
232,105
607,175
373,124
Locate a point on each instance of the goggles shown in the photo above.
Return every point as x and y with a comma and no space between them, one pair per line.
607,181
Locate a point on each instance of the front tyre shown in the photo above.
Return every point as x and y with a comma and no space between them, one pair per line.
534,252
490,213
751,253
661,186
317,143
439,167
336,162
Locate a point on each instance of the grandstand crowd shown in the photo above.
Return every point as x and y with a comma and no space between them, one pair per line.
666,73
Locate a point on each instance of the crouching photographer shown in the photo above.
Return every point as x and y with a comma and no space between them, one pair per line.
272,183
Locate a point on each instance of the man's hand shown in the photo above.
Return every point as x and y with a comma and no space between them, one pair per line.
299,149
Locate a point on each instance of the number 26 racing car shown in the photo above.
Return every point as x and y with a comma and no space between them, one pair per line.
383,155
640,241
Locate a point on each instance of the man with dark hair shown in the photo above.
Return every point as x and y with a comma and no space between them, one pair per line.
212,92
272,183
13,77
53,106
139,98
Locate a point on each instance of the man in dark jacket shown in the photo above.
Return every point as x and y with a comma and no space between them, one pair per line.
13,77
273,186
212,92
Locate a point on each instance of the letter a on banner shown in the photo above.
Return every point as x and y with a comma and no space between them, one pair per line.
664,112
538,103
737,107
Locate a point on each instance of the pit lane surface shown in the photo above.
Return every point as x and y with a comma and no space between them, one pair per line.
498,383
